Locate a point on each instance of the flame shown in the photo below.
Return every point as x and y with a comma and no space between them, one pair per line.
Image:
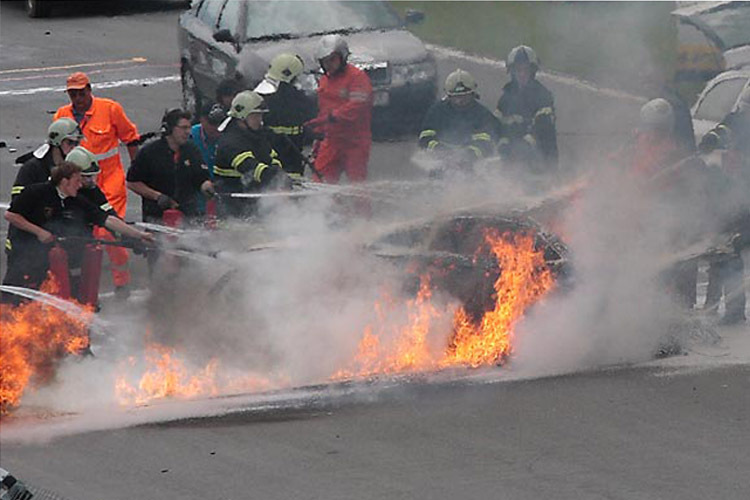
33,341
523,280
168,376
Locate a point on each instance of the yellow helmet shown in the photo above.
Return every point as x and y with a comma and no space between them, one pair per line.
85,159
285,67
246,103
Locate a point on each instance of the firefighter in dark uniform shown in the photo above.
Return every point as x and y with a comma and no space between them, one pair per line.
526,111
170,173
62,136
726,276
74,220
288,109
458,128
245,158
36,216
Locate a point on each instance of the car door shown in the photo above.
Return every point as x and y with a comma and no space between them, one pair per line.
201,30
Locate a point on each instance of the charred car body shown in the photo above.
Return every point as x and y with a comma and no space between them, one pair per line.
236,39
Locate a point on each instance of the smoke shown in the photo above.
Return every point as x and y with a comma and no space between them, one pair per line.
625,238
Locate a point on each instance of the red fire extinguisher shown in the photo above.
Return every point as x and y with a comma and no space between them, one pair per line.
172,217
211,220
88,292
58,267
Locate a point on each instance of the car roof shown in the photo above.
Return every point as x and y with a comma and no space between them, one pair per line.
700,8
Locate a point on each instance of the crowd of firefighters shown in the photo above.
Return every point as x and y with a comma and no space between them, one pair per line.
73,189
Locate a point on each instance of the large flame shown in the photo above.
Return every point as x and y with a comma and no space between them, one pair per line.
524,279
33,341
416,336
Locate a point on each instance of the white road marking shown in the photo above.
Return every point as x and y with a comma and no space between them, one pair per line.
100,85
72,66
447,52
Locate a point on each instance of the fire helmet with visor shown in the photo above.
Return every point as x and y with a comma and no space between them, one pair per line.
460,82
522,54
283,68
85,159
61,129
332,44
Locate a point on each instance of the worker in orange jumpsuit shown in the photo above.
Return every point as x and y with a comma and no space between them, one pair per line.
104,125
344,114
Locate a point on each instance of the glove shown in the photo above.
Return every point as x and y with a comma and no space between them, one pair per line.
165,202
708,143
208,189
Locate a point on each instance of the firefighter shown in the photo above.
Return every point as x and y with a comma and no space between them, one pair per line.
653,145
62,136
526,110
245,157
35,217
105,125
74,220
458,125
726,276
170,173
288,110
344,114
656,84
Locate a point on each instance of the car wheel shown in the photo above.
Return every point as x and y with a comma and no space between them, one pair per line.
37,8
191,96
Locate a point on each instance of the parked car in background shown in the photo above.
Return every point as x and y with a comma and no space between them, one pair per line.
236,39
713,37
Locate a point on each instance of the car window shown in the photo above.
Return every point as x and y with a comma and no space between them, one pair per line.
230,15
209,12
720,99
265,19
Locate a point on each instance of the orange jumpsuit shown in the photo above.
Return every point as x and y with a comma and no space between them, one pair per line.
104,126
347,97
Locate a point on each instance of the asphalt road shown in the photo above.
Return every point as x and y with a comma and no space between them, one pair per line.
625,433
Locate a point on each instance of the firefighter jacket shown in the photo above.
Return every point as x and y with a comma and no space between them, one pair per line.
527,116
33,171
43,205
178,175
104,126
289,108
245,159
449,127
346,97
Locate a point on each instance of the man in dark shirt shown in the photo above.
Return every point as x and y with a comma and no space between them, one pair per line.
170,173
38,214
62,136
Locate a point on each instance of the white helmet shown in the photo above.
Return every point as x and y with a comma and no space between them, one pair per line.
657,114
330,44
522,54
